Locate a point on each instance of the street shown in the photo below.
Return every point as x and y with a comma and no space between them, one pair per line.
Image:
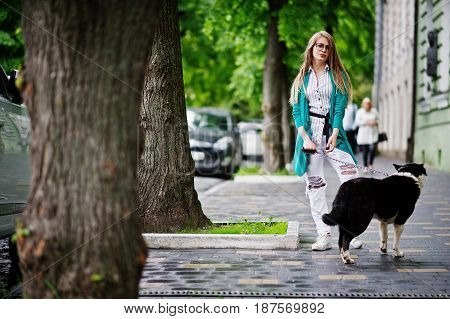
422,272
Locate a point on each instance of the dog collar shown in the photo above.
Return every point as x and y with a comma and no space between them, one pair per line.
418,181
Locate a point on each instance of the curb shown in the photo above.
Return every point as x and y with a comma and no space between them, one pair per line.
189,241
147,293
215,188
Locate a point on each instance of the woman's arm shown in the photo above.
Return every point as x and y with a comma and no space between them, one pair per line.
299,120
376,116
339,109
296,110
307,143
332,141
359,118
374,121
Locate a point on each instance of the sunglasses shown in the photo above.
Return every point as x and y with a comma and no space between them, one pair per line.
322,47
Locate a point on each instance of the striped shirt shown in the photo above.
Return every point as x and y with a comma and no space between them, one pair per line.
318,94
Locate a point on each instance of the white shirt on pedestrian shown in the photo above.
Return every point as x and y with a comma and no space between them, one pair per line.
348,122
318,94
367,134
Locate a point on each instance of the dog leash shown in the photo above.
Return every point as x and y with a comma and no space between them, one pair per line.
357,166
353,165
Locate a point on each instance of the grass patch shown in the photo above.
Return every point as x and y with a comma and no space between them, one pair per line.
256,170
243,228
251,170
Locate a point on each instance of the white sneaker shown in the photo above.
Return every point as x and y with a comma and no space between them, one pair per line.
323,242
356,243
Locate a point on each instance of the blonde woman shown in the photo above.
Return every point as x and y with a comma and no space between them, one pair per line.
319,96
367,121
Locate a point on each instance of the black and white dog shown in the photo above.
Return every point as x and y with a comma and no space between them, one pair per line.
390,200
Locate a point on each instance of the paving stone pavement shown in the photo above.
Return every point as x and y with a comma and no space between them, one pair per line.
423,270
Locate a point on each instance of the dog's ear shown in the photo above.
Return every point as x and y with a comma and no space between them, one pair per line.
424,170
397,167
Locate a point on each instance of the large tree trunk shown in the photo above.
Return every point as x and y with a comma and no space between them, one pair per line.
85,65
167,199
272,90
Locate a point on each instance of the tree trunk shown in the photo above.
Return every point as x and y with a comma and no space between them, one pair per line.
85,65
272,91
329,15
168,201
286,118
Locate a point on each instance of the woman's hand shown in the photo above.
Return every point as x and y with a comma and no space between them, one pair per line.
309,145
371,122
331,145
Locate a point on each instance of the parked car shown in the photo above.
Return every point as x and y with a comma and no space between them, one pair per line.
14,156
214,141
252,145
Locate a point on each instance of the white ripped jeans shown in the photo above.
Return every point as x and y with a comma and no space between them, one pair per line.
316,183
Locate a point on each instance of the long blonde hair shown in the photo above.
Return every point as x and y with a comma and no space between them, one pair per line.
334,62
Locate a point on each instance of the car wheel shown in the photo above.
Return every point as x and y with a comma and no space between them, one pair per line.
227,172
239,158
15,275
13,255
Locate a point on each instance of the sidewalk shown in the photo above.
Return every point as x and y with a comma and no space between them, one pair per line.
422,272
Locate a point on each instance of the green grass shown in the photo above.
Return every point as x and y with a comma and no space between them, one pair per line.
243,228
256,170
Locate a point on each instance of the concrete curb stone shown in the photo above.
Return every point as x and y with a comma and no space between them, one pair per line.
190,241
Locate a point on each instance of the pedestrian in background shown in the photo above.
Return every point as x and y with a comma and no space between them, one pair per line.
319,96
367,122
350,126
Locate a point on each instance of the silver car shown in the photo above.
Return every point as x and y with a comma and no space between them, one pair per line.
14,155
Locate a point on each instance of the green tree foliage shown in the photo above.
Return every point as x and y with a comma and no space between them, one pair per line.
11,40
224,44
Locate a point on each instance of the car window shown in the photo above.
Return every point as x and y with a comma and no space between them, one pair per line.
198,120
3,83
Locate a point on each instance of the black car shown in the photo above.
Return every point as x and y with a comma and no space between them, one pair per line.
214,140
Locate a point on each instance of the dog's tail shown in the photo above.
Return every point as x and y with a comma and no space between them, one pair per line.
333,218
328,219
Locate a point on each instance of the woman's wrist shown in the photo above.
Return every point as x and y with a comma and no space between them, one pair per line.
335,132
303,133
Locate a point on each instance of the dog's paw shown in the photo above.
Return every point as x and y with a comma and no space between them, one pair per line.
345,255
349,261
398,254
383,250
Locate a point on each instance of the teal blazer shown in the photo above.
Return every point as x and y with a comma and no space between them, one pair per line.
300,112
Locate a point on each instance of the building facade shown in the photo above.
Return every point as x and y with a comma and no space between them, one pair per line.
394,67
432,114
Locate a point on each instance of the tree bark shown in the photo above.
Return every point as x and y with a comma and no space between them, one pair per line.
286,117
168,201
329,15
85,64
272,91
